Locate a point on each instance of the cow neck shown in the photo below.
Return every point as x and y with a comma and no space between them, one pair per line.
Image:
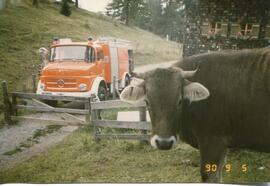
183,104
183,135
182,89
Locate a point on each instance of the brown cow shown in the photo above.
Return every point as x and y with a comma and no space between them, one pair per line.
212,101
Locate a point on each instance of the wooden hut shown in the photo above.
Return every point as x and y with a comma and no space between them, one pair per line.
212,25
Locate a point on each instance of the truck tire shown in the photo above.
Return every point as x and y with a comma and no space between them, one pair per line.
102,95
127,80
102,92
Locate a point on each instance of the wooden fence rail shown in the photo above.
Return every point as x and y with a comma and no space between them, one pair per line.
115,104
141,125
48,109
49,97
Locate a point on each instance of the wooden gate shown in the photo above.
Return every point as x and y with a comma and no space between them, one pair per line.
70,117
12,106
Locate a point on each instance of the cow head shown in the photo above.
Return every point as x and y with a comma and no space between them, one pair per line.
164,91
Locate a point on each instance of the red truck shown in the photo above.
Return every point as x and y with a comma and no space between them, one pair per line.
87,68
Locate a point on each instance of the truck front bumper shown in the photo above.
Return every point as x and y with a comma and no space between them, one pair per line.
74,94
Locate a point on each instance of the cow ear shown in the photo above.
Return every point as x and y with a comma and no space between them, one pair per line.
194,91
133,93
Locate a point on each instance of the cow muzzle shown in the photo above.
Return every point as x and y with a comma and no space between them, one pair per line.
163,143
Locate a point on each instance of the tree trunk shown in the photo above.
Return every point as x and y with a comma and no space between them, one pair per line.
77,3
127,12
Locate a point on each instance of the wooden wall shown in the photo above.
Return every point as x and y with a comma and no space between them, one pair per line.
225,24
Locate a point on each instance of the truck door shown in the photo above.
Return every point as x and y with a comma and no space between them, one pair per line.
114,66
130,61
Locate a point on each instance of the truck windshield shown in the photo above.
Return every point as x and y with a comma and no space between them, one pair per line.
72,53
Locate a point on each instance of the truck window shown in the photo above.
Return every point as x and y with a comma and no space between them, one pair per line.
130,60
91,55
99,54
69,53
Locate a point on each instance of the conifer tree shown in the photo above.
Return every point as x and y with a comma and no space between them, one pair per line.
125,10
65,9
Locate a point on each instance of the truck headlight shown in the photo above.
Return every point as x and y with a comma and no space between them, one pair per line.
82,87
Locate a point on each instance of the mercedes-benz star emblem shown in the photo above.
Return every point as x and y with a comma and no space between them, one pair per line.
60,83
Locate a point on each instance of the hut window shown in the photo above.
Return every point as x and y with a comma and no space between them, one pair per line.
224,29
204,29
255,31
267,32
215,27
246,29
234,30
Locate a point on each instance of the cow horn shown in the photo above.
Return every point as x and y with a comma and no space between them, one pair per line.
137,75
188,74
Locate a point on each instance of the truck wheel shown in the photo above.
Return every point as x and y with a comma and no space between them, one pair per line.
127,80
102,92
102,95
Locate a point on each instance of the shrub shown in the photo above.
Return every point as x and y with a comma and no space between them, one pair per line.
65,9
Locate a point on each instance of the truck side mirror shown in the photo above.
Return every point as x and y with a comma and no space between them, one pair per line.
44,53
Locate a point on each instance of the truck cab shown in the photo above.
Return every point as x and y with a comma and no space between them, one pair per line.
86,69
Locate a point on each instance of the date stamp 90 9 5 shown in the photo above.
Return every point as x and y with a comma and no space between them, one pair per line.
227,167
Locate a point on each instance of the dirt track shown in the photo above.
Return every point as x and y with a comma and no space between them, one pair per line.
12,138
145,68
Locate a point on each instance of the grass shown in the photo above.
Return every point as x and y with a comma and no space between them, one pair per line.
47,130
80,159
24,29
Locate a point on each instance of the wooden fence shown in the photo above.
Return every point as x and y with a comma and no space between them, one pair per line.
90,112
142,125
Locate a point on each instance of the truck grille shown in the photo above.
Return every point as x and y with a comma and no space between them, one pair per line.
61,83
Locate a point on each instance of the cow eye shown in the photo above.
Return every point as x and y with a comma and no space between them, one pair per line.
179,103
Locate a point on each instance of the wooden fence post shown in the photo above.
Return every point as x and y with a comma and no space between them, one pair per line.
114,87
24,89
7,104
94,117
87,106
142,114
14,103
34,83
143,117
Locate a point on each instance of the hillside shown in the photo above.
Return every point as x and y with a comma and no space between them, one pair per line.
24,29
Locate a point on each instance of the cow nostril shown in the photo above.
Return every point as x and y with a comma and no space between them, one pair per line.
164,144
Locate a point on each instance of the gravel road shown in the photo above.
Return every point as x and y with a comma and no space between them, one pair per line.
12,137
13,140
145,68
